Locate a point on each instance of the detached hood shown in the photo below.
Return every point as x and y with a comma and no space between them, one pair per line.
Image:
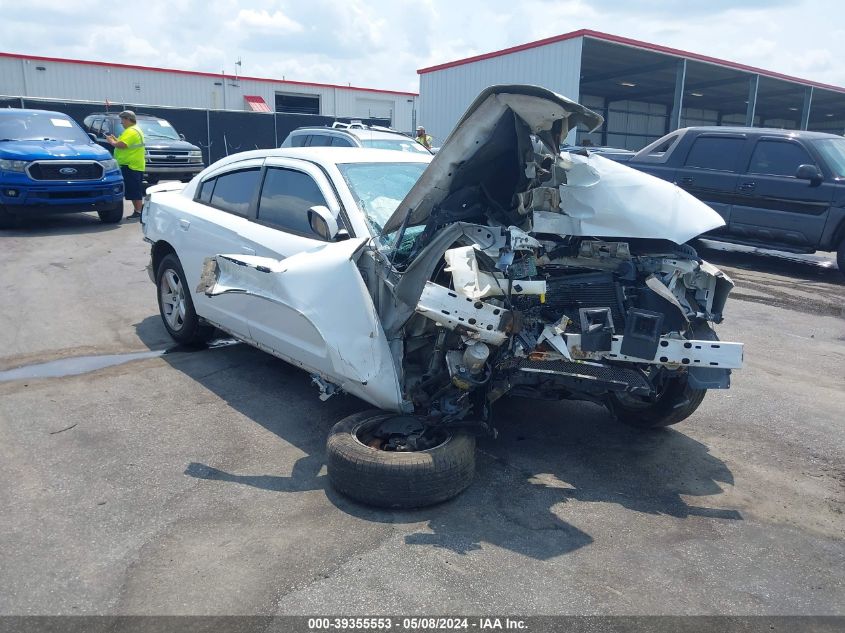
491,162
41,150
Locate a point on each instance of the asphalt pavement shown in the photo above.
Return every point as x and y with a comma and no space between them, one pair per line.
193,482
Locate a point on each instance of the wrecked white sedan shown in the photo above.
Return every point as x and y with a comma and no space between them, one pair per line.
432,290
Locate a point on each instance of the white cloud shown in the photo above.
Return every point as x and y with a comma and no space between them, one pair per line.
381,43
276,22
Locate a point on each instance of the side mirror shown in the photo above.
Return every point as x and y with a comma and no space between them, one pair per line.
811,173
323,223
182,136
92,137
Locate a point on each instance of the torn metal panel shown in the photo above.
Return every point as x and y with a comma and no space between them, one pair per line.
315,309
476,319
538,109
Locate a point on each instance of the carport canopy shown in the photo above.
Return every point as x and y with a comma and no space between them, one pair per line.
618,69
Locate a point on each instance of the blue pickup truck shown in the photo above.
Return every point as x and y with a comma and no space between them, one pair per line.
48,164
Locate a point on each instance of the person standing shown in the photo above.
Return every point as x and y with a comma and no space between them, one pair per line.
131,157
423,139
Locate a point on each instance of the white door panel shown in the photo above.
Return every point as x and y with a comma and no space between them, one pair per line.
315,310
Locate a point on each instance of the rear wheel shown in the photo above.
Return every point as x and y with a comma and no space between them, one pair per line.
112,216
175,304
389,460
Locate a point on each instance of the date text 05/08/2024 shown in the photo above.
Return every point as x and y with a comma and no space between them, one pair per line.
416,624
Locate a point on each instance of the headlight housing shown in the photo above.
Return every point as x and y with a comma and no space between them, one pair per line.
13,165
109,164
195,156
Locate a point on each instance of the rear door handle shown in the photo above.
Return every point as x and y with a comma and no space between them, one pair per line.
748,186
184,224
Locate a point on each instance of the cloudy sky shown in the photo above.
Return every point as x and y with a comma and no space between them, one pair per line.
382,43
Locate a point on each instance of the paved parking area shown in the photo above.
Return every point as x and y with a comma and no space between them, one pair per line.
194,482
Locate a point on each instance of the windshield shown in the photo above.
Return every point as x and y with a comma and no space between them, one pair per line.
833,152
40,126
154,128
378,188
403,145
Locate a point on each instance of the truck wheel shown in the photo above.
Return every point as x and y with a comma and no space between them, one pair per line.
363,462
676,402
175,305
112,216
7,220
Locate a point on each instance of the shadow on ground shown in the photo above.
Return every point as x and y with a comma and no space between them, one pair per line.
547,456
60,224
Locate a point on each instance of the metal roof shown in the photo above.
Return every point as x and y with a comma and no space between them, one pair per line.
637,44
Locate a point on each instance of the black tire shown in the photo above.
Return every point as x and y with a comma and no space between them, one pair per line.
112,216
175,305
7,220
391,479
676,402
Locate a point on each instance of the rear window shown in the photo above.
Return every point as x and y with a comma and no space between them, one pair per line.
715,152
234,191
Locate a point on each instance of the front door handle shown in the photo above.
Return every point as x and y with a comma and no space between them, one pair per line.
748,186
184,224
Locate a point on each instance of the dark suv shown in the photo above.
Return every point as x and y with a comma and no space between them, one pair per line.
781,189
169,155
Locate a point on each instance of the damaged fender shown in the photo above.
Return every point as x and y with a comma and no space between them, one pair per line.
313,310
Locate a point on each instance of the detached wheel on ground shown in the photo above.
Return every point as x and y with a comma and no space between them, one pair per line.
389,460
111,216
175,305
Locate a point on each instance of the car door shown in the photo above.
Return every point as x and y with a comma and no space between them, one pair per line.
280,229
213,223
772,204
305,298
709,171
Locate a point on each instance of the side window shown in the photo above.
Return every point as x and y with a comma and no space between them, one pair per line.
285,199
106,129
86,123
320,140
715,152
204,194
235,190
779,158
341,142
298,140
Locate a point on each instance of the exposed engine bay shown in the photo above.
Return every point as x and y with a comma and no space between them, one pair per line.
518,300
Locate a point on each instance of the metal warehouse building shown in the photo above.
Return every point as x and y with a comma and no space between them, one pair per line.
51,78
642,90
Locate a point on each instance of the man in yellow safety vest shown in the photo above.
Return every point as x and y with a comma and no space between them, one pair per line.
423,139
130,155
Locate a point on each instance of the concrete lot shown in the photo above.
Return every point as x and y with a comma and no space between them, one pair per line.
193,482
